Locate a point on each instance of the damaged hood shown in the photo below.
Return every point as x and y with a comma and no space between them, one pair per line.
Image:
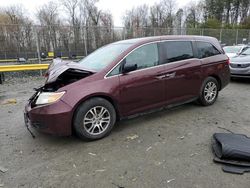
58,67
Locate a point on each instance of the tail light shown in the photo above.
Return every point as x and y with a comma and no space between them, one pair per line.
228,61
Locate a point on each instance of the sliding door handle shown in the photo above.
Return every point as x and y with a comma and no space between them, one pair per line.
160,77
170,75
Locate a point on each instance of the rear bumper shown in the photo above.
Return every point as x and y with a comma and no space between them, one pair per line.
52,119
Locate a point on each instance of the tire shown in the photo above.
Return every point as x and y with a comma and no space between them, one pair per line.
209,92
94,119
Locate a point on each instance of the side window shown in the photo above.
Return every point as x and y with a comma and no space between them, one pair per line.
206,49
178,50
145,56
115,71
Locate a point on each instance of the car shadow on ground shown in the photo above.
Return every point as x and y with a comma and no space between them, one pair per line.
154,116
241,80
136,122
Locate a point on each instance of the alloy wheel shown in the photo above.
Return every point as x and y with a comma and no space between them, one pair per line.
210,92
96,120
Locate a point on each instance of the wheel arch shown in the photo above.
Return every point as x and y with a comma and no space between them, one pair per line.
217,78
99,95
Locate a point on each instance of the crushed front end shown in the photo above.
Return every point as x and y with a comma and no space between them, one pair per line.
54,118
46,110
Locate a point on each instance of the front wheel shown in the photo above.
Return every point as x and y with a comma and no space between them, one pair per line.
94,119
209,91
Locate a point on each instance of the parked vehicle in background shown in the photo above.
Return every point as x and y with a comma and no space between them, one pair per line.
125,79
232,51
21,60
240,65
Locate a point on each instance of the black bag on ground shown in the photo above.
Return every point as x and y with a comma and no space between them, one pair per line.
233,151
231,146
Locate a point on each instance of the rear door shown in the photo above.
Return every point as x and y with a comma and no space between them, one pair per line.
183,71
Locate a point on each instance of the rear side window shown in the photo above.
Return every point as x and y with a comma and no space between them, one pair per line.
206,49
178,50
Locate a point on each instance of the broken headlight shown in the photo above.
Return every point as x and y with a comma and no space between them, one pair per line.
49,97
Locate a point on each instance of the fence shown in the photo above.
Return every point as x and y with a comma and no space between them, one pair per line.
35,42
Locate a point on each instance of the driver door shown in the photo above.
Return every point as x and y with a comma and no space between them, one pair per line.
143,88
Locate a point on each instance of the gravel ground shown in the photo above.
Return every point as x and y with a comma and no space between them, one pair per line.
165,149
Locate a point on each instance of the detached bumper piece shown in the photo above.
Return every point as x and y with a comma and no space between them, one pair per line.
233,151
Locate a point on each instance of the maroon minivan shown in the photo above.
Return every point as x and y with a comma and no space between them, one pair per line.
125,79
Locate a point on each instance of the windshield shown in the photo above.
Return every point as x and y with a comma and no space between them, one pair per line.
232,49
246,52
102,57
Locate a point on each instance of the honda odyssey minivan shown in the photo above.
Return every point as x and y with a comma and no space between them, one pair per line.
125,79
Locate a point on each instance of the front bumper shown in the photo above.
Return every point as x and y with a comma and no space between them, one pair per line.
52,119
240,72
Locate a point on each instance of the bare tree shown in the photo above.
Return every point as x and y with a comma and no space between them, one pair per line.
169,7
194,14
136,19
179,18
18,29
48,18
72,9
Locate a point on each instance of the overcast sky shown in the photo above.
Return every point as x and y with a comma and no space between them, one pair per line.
116,7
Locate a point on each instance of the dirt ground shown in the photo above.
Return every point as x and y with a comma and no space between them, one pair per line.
165,149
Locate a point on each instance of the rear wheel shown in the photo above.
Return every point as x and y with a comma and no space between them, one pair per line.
94,119
209,91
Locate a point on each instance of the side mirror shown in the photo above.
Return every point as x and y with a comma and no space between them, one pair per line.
129,68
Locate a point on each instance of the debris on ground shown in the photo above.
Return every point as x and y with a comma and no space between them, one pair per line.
9,101
226,129
118,186
1,184
74,165
132,137
157,163
193,154
93,154
134,179
181,137
168,181
101,170
2,169
232,151
149,148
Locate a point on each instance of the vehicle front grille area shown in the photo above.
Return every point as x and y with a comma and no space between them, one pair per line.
239,65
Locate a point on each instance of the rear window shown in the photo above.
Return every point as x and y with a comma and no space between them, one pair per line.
206,49
178,50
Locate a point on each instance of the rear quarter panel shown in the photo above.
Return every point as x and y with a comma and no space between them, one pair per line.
216,66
